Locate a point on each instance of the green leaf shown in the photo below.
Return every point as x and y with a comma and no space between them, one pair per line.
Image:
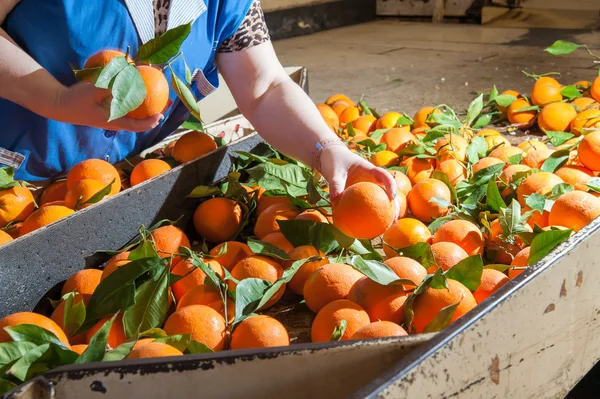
477,149
188,74
161,49
571,92
558,138
467,271
12,351
90,74
439,281
7,175
376,271
445,119
150,308
6,386
493,199
143,251
515,159
307,232
191,123
128,92
560,189
74,317
287,276
434,134
269,176
34,334
474,110
530,108
594,184
248,294
119,353
376,135
484,175
266,249
441,202
420,252
483,121
556,160
338,331
185,95
505,100
441,176
493,94
210,273
180,342
97,347
100,194
404,120
499,267
536,202
442,319
545,242
110,71
562,47
203,191
197,347
20,369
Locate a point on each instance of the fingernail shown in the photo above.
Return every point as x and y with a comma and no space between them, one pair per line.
394,195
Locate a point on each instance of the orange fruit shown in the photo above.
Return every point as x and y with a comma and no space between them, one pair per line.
259,267
381,302
462,233
454,169
407,268
207,295
339,97
422,119
339,106
379,329
81,192
427,305
363,211
167,240
531,145
577,176
584,103
266,201
44,322
575,210
546,90
312,215
518,118
419,200
556,117
328,283
538,183
236,251
84,282
266,223
116,335
585,84
4,237
329,116
58,316
447,255
504,152
513,93
536,158
95,169
589,151
218,219
388,120
56,191
193,145
401,205
43,217
499,249
487,162
194,276
114,263
494,141
103,57
491,281
397,138
349,115
359,175
384,158
259,331
595,89
452,146
154,349
487,132
279,240
365,123
204,325
16,204
521,260
157,93
331,316
418,168
79,349
404,233
585,120
541,219
296,285
61,203
141,342
147,169
402,181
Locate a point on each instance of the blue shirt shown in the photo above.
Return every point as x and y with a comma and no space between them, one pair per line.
61,33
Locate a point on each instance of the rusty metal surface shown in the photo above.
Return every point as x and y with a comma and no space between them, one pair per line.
534,338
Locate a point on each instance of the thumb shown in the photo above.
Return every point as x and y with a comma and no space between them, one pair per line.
336,187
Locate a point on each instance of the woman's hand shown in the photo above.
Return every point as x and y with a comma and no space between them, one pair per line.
337,162
85,104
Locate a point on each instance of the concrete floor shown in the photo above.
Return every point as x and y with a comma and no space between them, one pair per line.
403,66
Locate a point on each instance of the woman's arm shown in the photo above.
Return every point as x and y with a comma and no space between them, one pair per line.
286,117
25,82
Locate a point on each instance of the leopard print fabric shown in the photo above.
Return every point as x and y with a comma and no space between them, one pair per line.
252,32
161,15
